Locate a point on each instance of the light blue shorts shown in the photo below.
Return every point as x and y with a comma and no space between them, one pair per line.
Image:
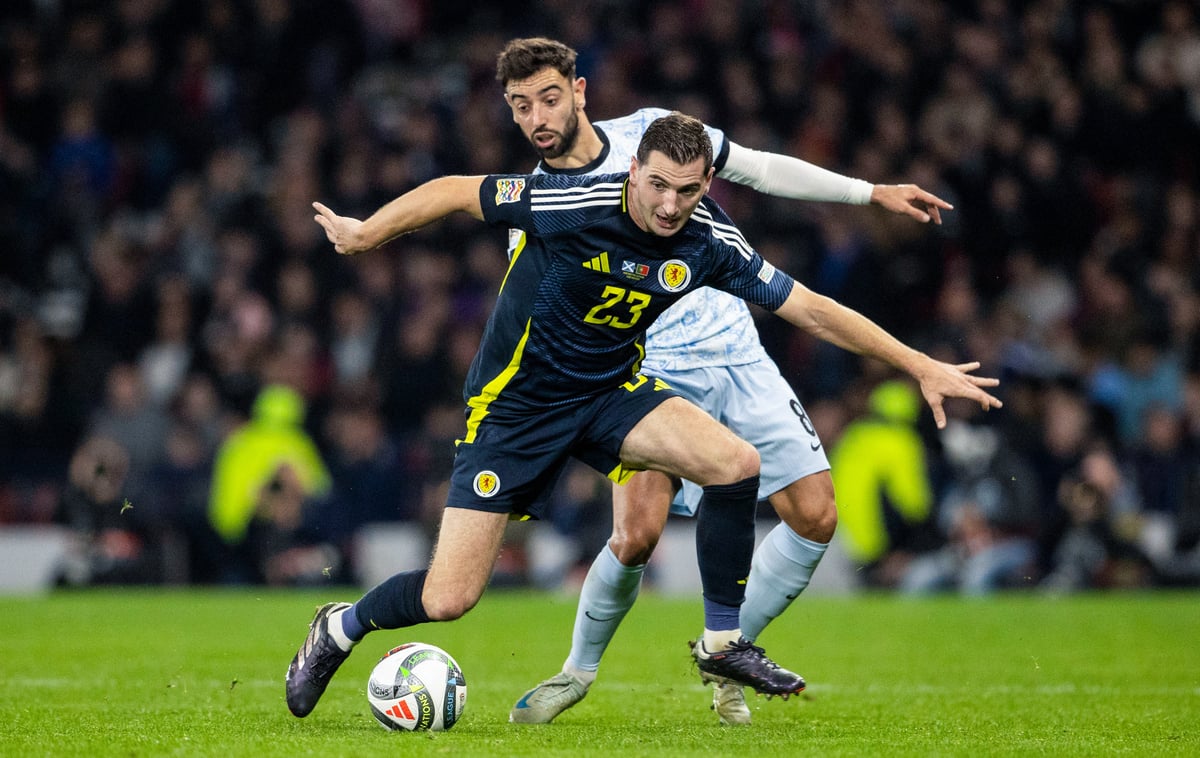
757,404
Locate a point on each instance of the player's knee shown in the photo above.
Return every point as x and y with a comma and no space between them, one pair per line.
824,522
809,508
634,543
743,462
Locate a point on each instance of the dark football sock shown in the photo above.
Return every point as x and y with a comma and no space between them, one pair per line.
724,548
394,603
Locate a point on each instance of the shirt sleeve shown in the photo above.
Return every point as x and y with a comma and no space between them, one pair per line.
720,146
739,269
504,199
785,176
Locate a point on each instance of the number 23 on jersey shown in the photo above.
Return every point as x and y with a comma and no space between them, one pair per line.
621,308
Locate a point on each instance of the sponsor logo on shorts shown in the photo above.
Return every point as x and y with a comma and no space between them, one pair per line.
674,275
509,190
486,483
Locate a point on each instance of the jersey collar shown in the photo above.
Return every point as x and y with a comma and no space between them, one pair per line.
588,167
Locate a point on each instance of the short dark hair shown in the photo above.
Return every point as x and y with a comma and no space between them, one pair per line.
522,58
678,136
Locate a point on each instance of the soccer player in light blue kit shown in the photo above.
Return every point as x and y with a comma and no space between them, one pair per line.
707,348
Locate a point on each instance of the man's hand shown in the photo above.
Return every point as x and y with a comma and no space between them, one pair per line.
942,380
344,232
910,200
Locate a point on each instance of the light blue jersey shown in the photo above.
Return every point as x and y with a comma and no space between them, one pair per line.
695,344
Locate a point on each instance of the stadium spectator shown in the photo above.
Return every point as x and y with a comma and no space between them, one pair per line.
1092,553
987,513
113,541
166,361
370,483
130,419
882,477
265,475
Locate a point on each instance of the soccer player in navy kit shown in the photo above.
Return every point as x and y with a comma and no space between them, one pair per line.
557,371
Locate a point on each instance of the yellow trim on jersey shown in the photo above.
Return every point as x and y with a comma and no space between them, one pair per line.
625,195
641,348
480,403
512,261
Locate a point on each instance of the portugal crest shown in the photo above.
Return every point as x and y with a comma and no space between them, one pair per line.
674,275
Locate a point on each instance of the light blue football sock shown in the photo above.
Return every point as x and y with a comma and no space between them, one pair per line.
607,595
782,567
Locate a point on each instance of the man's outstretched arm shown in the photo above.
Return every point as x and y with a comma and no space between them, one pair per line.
785,176
430,202
833,322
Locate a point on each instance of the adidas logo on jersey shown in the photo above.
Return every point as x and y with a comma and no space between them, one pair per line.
599,263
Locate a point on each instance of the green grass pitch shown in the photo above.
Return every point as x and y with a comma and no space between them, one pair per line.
160,673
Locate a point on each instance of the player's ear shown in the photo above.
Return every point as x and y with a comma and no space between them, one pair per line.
580,86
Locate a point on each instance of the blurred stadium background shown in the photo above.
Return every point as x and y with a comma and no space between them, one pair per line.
171,318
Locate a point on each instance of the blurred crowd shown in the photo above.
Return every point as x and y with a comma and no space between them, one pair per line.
174,326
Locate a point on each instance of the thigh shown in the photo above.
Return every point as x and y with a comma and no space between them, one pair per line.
679,438
604,423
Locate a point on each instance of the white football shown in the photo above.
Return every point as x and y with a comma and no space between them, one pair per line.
417,687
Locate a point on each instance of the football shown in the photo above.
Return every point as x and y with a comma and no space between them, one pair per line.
417,687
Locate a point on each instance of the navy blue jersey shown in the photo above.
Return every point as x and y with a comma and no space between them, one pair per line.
587,282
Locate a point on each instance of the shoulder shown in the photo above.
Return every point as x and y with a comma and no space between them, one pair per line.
626,132
594,185
709,214
711,220
560,203
632,122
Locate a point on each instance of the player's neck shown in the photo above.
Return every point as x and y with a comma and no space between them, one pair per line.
587,148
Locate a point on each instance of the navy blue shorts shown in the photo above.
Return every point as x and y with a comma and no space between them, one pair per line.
513,460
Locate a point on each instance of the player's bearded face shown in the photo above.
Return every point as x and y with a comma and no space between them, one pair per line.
554,143
546,106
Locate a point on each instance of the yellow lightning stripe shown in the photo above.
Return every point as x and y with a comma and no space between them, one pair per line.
513,260
621,474
480,403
